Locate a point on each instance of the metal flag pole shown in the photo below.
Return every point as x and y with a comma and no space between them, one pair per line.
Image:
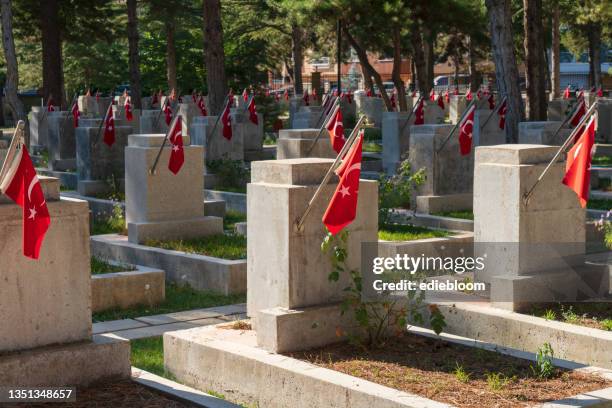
70,111
161,110
567,142
331,114
410,116
324,106
103,120
161,148
467,109
212,133
10,153
494,111
567,119
299,224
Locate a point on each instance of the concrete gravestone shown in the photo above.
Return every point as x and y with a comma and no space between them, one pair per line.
543,133
164,205
39,127
47,302
296,143
61,142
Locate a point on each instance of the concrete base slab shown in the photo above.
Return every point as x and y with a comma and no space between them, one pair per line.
444,203
67,179
215,208
199,271
76,364
210,180
432,221
62,164
139,232
233,201
95,187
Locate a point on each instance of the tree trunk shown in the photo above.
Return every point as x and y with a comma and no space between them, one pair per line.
298,59
534,59
475,77
555,76
214,56
506,70
397,64
365,63
594,38
171,54
419,61
53,75
134,60
428,52
367,79
12,74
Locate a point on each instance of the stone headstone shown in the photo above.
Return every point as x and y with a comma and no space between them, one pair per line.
604,121
308,117
121,120
88,106
298,143
163,205
558,109
395,144
543,133
61,141
39,127
252,134
216,147
153,121
373,109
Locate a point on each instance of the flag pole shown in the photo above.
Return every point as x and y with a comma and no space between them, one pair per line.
331,113
494,111
567,119
15,140
569,139
467,109
160,112
323,108
299,224
161,148
103,119
226,102
410,116
70,111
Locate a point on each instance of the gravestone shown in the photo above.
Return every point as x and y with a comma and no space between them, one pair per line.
543,133
45,310
102,105
99,165
373,108
88,106
121,120
448,174
153,121
61,141
216,147
295,103
395,144
486,130
349,112
188,112
534,250
604,121
558,109
300,307
163,205
308,117
298,143
458,104
39,127
252,134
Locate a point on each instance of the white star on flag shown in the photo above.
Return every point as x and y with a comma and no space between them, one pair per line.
32,213
345,191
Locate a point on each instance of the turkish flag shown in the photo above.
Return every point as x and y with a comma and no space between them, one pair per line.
306,98
193,96
468,95
491,101
342,208
419,113
456,92
245,95
109,128
578,165
466,128
75,115
202,106
502,114
177,155
369,93
349,96
154,99
432,95
579,113
286,94
97,96
446,96
128,109
226,120
580,94
336,131
253,112
440,101
50,107
393,104
479,94
315,96
566,93
22,186
414,93
600,92
168,112
267,92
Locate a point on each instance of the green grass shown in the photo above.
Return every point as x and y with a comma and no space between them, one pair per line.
108,227
602,161
231,218
397,232
224,246
178,299
372,147
464,215
99,266
148,355
231,189
599,204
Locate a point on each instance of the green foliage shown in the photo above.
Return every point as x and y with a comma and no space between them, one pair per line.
401,232
549,315
461,374
231,218
115,224
148,355
607,324
396,191
99,266
544,367
497,381
178,299
231,174
569,315
464,215
224,246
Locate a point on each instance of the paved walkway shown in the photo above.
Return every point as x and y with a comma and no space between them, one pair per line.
153,326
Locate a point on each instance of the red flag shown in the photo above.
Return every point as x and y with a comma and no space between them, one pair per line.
335,92
154,99
226,120
245,95
336,131
502,114
468,95
173,95
466,127
202,106
446,96
97,96
109,128
579,113
315,96
267,91
342,208
50,107
456,92
419,113
168,113
253,112
22,186
580,94
277,97
414,93
286,94
127,105
393,104
75,115
491,101
194,97
177,155
566,93
369,93
479,94
578,165
432,95
440,101
349,96
600,92
306,98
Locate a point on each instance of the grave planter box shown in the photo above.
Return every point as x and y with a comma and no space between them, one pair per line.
296,144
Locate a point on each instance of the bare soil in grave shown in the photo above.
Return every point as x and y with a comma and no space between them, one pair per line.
428,367
114,394
596,315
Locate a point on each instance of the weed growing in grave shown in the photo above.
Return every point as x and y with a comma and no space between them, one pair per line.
607,324
497,381
148,355
99,266
550,315
377,320
115,224
396,191
569,315
461,374
231,174
605,224
544,367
